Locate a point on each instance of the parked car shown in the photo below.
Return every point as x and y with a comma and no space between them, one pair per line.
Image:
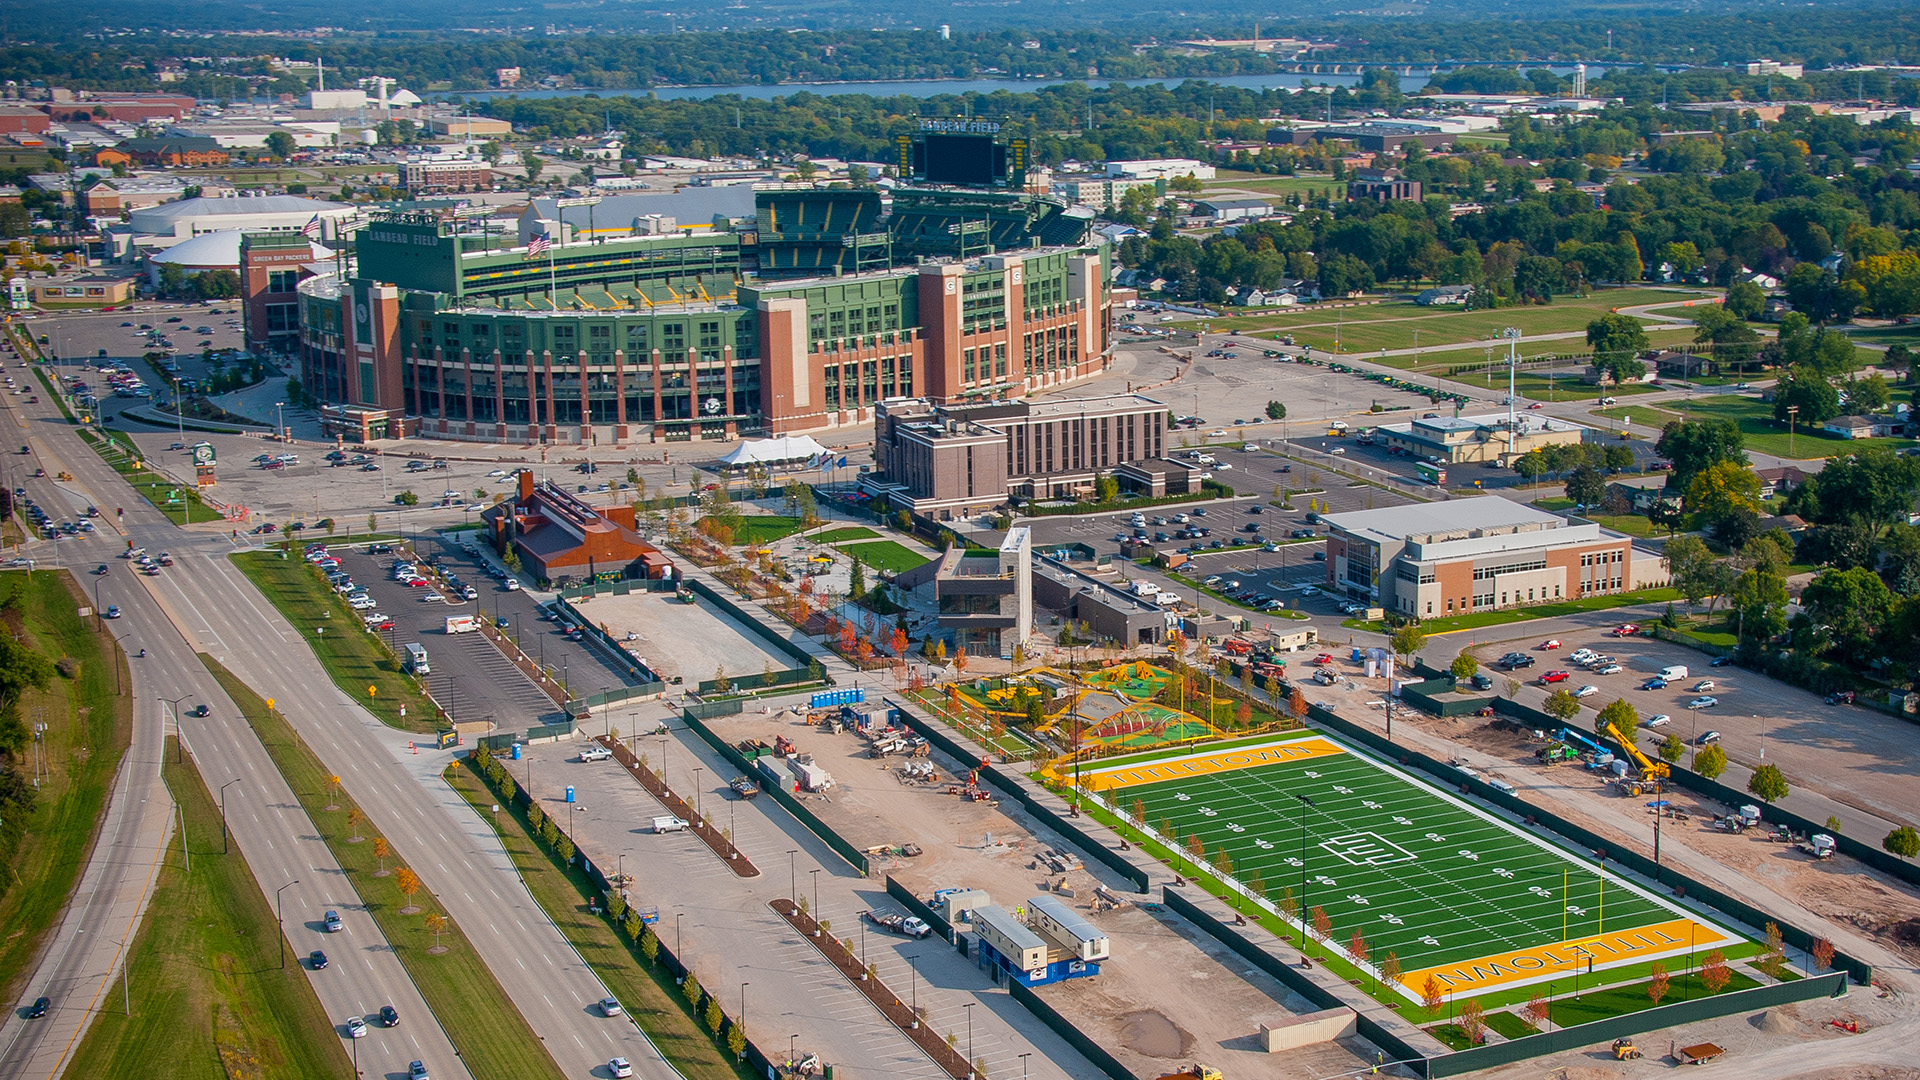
1703,703
1707,739
1549,644
1554,677
1721,661
1659,720
1586,691
1655,683
1611,669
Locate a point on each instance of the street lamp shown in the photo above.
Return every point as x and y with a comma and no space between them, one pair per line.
913,961
743,1005
793,890
223,813
1305,802
99,621
279,420
696,792
968,1008
280,922
180,740
1793,413
816,901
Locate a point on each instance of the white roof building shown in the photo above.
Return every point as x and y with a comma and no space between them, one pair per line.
168,223
212,251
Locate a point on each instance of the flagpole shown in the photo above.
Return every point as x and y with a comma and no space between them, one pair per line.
552,288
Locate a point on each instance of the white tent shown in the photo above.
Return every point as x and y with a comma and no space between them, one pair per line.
781,451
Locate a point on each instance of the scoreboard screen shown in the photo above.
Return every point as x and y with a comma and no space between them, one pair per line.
961,159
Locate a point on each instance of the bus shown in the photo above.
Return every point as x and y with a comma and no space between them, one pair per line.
1432,474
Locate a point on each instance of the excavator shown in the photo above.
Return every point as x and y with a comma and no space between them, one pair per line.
1650,771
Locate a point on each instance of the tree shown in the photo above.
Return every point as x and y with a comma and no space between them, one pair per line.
408,883
1804,396
1106,489
354,818
1617,341
1357,946
1690,567
1658,985
1693,445
1711,762
690,987
1721,490
1854,604
1562,706
407,498
1759,603
713,1016
1903,841
1473,1020
737,1039
1432,997
1537,1010
1745,300
280,144
1322,926
1391,969
1868,395
380,852
1714,974
1672,749
436,925
533,166
1822,952
1464,667
1624,718
856,581
1276,410
1586,486
1406,641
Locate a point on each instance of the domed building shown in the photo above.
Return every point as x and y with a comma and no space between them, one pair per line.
212,251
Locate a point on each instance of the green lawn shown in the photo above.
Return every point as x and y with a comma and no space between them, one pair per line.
491,1036
1510,1025
354,657
1769,436
1477,619
1436,326
88,729
886,556
1631,524
839,536
1277,186
1908,335
213,1000
1614,1000
646,991
1644,415
182,505
765,529
1565,385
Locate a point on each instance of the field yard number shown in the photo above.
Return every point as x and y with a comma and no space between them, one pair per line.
1371,805
1430,940
1393,919
1468,855
1358,899
1401,820
1501,871
1544,894
1575,909
1231,827
1181,796
1263,845
1436,838
1322,879
1311,775
1208,811
1343,789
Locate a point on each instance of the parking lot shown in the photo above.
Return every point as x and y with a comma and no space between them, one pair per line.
1850,754
127,335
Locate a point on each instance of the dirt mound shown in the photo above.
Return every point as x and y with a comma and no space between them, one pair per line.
1150,1032
1773,1023
1906,933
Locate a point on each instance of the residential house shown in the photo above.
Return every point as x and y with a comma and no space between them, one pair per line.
1444,295
1865,427
1779,481
1680,364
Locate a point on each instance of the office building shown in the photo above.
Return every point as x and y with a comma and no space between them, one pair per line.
957,460
1448,558
1489,438
984,599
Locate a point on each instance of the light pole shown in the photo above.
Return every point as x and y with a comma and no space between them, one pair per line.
281,922
223,813
280,421
913,961
99,620
1693,736
968,1008
1305,802
816,901
696,793
793,878
1023,1064
1793,413
743,1006
676,936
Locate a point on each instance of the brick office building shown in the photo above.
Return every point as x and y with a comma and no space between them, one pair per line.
272,265
1448,558
562,540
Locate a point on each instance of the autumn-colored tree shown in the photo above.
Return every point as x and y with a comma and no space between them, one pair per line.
1243,714
380,852
1357,946
899,641
1196,848
1432,997
1297,702
649,943
1537,1009
1390,969
1775,958
1714,974
1289,904
1257,886
1473,1020
408,883
354,818
713,1016
1138,812
690,989
1661,982
436,925
1822,955
1322,926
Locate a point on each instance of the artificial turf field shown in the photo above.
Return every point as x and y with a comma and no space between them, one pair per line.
1456,894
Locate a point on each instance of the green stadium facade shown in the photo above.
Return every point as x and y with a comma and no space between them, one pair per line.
803,318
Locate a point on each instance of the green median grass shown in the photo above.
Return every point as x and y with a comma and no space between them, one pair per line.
493,1039
646,991
886,556
211,1000
1477,619
88,728
181,504
355,658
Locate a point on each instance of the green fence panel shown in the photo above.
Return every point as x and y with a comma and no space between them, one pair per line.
753,624
707,710
1064,1028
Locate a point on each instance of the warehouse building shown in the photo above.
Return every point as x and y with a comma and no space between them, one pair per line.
1448,558
1490,437
562,540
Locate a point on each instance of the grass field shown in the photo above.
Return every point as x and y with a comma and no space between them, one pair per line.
491,1036
1476,619
211,999
841,536
646,991
1437,326
1277,186
1908,335
1451,892
886,556
354,658
765,529
88,729
1769,436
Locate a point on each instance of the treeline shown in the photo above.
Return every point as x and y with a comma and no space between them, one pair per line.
1069,47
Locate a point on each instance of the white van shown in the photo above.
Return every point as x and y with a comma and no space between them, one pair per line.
1677,671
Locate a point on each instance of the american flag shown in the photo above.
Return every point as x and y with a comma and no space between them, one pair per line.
539,245
311,230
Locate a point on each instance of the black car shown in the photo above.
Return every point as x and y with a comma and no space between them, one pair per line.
318,959
200,710
39,1008
389,1017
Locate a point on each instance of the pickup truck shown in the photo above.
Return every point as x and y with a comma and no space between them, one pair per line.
899,924
595,753
669,824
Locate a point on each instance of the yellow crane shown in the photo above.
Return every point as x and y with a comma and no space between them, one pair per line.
1649,769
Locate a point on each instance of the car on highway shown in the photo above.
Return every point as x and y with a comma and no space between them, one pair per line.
609,1007
1554,677
416,1070
1586,691
331,920
356,1027
39,1008
317,959
619,1067
1703,703
1659,720
389,1016
113,611
199,710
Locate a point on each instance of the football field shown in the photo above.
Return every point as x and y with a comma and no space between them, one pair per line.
1456,894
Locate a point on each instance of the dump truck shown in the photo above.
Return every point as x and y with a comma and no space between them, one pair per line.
744,786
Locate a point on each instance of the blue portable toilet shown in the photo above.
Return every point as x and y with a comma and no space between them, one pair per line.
516,751
569,792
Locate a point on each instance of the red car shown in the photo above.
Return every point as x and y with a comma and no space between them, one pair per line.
416,583
384,624
1626,630
1550,644
1553,677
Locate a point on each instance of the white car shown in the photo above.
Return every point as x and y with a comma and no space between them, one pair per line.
362,603
609,1007
1586,691
1703,686
1611,669
619,1068
433,598
1659,720
1703,703
356,1027
497,474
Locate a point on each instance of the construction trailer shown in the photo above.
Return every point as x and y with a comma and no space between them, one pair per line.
1059,945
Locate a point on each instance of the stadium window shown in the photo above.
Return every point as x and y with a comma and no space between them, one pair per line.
1000,361
673,341
967,371
282,281
637,340
744,341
